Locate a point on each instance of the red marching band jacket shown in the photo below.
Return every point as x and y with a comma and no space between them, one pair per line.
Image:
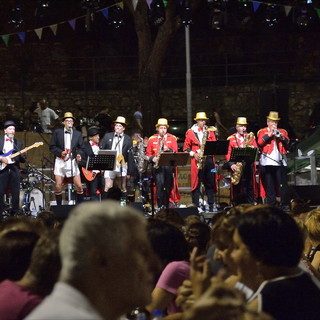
153,150
237,143
192,143
266,145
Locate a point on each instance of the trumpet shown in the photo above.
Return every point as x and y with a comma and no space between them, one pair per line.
277,133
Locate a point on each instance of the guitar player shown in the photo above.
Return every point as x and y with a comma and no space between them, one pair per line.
94,179
10,175
122,143
67,146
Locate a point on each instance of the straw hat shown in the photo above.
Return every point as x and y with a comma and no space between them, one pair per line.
68,115
273,115
201,116
162,122
121,120
242,121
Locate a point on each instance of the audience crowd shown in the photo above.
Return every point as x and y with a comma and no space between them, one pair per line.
107,261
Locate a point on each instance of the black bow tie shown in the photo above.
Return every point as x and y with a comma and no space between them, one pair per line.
67,132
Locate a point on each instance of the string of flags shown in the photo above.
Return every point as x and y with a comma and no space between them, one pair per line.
105,12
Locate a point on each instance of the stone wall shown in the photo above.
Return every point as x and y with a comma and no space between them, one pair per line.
230,101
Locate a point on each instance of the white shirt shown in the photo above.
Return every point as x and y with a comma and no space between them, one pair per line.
8,146
47,115
65,303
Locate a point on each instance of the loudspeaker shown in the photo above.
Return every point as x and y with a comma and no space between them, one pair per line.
310,194
62,212
186,212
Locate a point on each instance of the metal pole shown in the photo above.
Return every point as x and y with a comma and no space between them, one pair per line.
188,77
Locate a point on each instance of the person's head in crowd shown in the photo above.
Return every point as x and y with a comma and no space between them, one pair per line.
221,239
45,265
198,235
43,104
22,223
16,247
167,241
267,239
114,193
49,220
312,224
299,208
170,215
106,255
191,219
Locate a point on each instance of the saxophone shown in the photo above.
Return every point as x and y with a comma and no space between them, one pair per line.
156,164
141,158
206,131
236,175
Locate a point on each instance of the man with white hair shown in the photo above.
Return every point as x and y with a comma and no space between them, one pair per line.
106,265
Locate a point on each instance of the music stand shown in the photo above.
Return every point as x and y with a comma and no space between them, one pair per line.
173,159
243,155
219,147
105,160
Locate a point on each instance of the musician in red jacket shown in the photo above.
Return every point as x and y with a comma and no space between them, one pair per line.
273,143
165,176
206,173
246,190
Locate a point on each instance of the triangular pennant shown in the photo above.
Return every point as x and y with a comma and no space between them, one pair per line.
287,9
54,28
5,39
105,13
72,23
149,3
318,11
120,4
38,32
165,2
256,5
22,36
134,4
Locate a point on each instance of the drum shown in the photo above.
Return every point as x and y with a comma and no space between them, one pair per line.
32,201
34,178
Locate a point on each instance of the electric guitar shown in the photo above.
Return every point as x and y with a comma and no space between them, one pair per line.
120,160
13,155
90,175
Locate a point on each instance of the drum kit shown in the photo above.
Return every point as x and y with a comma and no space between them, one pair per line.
32,194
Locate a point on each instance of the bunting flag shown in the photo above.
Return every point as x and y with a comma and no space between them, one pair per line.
165,2
256,5
39,32
287,9
22,36
105,13
134,4
149,3
54,28
5,39
72,23
318,12
120,4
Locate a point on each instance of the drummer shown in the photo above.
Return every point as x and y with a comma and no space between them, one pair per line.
9,170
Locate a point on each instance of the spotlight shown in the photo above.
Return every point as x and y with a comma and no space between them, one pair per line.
217,19
16,16
273,15
116,17
41,9
157,14
304,15
185,13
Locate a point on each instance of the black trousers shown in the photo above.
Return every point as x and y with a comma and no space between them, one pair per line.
275,178
164,183
206,176
10,178
243,192
94,185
